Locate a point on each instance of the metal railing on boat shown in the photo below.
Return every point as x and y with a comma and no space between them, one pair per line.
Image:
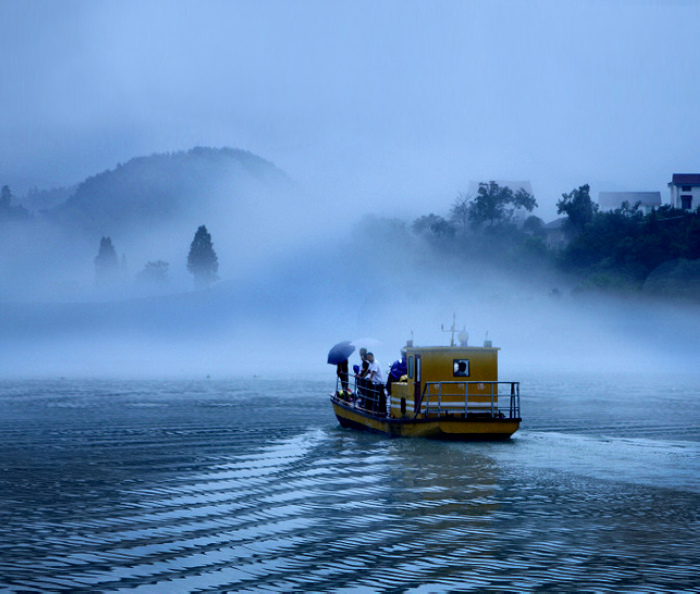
364,394
453,397
439,398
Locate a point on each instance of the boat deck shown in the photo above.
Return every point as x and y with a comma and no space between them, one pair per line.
438,399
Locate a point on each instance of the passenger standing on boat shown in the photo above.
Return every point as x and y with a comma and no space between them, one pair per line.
376,381
343,376
398,369
360,374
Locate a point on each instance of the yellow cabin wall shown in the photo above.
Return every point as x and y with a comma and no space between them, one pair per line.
401,390
437,364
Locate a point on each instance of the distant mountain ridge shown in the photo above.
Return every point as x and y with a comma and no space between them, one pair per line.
162,187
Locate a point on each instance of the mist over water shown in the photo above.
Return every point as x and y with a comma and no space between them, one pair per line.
294,279
288,293
283,310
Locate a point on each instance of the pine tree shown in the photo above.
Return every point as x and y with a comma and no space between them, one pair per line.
202,261
5,197
106,263
9,211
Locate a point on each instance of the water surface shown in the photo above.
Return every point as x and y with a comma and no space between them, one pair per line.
250,484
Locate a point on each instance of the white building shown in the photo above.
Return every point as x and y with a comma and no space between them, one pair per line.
609,201
555,234
685,190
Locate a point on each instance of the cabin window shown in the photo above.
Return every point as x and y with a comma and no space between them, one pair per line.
686,189
410,367
460,367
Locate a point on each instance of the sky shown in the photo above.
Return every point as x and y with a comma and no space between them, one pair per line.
386,107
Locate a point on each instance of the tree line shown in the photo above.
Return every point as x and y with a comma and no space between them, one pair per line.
628,250
202,263
10,211
624,250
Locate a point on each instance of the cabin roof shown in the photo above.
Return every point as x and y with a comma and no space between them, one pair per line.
448,349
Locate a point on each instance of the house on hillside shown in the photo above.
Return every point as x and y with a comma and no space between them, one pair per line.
609,201
685,190
555,235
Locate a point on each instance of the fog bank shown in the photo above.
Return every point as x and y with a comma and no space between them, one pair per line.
285,317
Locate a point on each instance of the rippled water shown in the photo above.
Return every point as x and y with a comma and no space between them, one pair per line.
251,485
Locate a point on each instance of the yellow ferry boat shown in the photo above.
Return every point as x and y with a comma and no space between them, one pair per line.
447,393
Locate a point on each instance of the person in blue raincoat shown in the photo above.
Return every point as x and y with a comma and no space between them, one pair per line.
398,369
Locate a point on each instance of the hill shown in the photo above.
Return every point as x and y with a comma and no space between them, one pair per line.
150,207
161,188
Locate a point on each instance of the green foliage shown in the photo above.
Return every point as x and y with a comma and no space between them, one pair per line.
495,204
106,254
691,245
9,211
678,279
459,213
535,246
608,282
524,200
433,225
620,251
534,226
106,263
202,261
154,273
5,197
490,204
578,207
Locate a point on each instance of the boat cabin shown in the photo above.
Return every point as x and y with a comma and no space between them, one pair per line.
456,380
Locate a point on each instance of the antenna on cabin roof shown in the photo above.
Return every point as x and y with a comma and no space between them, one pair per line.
463,336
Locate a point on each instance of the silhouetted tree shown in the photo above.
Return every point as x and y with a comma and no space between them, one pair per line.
106,263
525,200
202,261
496,204
578,207
8,211
534,226
459,213
433,225
154,273
5,197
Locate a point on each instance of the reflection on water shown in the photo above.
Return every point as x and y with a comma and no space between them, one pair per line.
176,486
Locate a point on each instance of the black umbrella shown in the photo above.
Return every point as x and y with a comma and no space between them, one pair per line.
340,352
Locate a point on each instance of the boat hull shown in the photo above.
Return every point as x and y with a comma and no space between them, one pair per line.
451,428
